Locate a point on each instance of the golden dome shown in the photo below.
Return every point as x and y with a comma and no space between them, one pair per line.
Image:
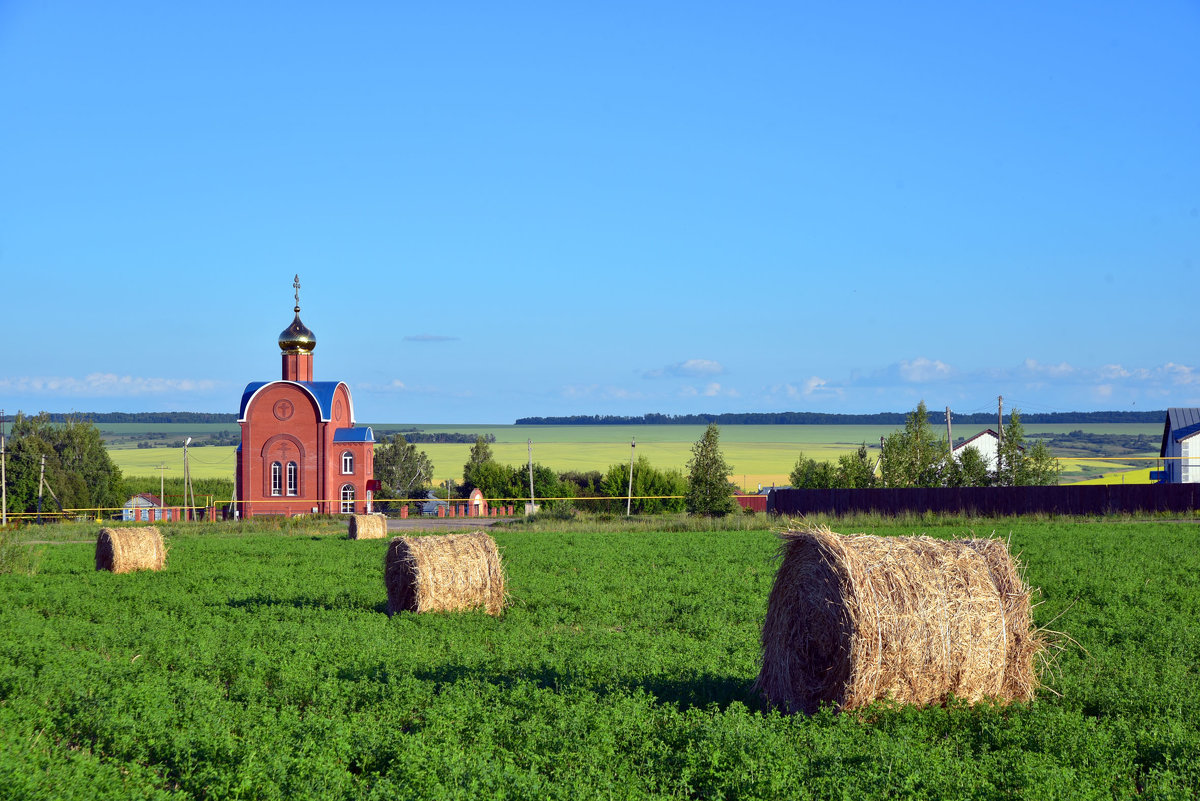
296,338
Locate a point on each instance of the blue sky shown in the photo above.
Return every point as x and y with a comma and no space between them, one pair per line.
510,209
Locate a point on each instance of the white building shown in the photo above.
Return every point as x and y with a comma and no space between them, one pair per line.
1181,445
987,442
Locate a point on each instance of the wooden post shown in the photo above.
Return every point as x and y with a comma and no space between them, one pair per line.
532,500
629,499
1000,434
41,482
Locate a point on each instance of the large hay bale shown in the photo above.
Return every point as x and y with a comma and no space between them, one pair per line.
1023,643
367,527
851,620
446,573
123,550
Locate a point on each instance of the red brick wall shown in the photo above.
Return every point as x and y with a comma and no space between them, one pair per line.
283,424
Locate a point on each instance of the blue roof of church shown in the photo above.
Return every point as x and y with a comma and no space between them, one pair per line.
363,434
321,392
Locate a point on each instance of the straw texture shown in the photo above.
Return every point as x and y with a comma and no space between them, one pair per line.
446,573
367,527
855,619
123,550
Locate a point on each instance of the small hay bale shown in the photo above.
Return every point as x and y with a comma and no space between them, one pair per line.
855,619
123,550
446,573
367,527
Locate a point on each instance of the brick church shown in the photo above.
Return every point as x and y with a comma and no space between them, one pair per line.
301,452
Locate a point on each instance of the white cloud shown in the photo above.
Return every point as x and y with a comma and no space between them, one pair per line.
1180,374
1053,370
710,390
691,367
1114,371
105,384
921,370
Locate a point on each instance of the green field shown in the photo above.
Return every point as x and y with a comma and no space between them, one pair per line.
262,665
758,454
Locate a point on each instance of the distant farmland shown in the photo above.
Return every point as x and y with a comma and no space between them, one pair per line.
758,454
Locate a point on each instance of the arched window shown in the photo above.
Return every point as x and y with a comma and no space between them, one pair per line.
347,463
276,478
347,499
292,478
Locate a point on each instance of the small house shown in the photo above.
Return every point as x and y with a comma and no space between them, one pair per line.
145,507
1181,446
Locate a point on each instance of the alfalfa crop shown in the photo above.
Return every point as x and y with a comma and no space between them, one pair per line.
367,527
123,550
855,619
444,573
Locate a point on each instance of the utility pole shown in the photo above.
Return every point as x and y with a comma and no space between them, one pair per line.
162,482
532,501
41,482
629,500
949,433
187,477
1000,434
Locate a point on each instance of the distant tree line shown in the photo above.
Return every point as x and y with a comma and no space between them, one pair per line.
829,419
419,437
135,417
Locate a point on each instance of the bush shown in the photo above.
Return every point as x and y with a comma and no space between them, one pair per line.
15,556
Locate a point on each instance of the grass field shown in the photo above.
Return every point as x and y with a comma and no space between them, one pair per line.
261,665
758,454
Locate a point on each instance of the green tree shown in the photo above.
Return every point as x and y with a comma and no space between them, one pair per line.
857,470
402,470
498,482
79,471
708,489
481,454
811,474
969,469
1022,466
915,456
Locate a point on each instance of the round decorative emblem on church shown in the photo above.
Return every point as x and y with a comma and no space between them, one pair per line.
283,409
337,409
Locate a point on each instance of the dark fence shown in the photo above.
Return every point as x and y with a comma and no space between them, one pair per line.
1089,499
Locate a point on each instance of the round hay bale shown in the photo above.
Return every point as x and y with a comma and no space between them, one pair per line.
855,619
123,550
1023,643
367,527
446,573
